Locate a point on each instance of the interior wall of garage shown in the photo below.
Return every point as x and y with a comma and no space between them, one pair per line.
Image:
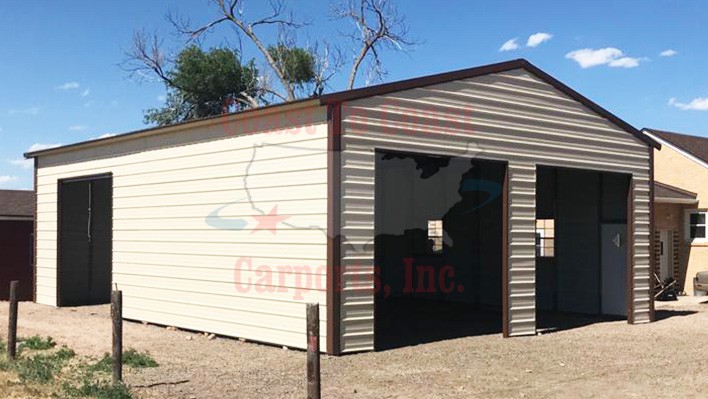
577,240
465,194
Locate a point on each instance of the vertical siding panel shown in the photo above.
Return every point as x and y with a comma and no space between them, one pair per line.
358,187
642,278
522,253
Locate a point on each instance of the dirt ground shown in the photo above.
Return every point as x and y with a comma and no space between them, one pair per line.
609,359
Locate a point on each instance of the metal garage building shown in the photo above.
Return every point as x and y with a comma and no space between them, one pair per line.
478,198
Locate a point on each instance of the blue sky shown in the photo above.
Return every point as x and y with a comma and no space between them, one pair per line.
60,81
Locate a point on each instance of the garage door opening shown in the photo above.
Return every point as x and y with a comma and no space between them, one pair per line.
581,247
438,250
85,248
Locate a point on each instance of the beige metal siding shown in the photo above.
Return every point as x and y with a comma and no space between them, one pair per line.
522,248
511,116
173,266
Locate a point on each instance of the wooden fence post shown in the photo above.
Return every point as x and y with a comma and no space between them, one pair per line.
12,323
117,316
313,351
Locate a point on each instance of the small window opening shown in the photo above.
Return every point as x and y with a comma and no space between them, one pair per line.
545,238
435,236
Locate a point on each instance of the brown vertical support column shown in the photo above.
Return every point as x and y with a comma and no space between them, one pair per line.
12,322
117,316
630,252
505,254
652,261
334,151
313,351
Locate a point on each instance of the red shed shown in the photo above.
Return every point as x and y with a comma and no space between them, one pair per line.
16,242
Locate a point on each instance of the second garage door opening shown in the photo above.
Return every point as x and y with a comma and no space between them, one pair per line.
581,247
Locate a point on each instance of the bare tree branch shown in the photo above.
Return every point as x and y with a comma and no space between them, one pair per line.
229,12
328,62
146,55
378,25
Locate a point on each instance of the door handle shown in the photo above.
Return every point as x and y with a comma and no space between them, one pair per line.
617,240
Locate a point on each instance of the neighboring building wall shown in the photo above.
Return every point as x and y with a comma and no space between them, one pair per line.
511,116
670,217
186,238
671,167
16,258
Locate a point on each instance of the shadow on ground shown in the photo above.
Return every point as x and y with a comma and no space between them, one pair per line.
668,313
407,322
551,322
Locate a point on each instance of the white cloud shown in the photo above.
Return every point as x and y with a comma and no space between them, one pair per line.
668,53
588,58
23,163
41,146
85,93
103,136
625,62
537,38
78,128
697,104
25,111
68,86
162,98
8,179
509,45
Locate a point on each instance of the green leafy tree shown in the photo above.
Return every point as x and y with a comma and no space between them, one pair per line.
201,84
297,64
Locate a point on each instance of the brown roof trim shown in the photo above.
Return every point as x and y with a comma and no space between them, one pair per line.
480,71
590,104
422,81
252,112
370,91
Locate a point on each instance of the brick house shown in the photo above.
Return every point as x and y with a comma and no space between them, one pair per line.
681,206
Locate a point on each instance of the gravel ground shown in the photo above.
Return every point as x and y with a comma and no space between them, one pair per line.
610,359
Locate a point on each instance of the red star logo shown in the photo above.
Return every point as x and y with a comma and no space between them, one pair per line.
269,221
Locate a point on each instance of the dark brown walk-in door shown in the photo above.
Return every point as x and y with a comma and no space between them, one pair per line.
85,225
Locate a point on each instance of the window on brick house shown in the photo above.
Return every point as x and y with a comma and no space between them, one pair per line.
697,225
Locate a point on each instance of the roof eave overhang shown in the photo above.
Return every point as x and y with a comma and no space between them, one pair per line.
669,200
485,70
250,113
12,218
